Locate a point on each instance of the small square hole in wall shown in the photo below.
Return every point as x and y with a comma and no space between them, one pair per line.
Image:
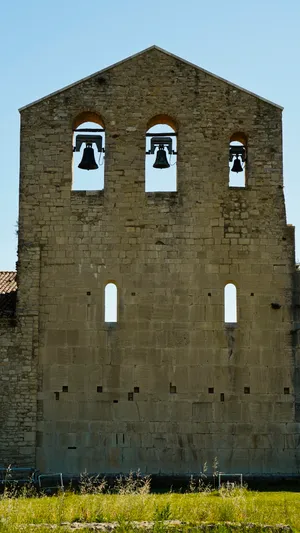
99,388
172,389
65,388
115,401
130,396
252,293
88,293
136,389
133,294
56,395
246,390
275,305
286,390
209,294
222,397
210,390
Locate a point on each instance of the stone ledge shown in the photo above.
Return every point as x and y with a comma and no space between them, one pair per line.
80,193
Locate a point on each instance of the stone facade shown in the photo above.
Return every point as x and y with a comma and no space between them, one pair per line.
17,379
67,372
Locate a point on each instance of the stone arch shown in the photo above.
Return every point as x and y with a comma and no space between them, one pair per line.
162,119
240,137
87,116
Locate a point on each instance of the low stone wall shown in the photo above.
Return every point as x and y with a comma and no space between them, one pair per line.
18,393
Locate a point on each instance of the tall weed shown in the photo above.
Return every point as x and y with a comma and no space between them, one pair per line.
134,483
91,484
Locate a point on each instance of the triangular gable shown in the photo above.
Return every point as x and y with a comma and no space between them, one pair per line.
154,47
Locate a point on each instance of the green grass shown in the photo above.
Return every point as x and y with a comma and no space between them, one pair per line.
215,507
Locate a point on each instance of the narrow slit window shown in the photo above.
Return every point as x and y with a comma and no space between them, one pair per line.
88,156
237,160
230,304
111,303
161,156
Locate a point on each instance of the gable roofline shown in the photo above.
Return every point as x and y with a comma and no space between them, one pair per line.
154,47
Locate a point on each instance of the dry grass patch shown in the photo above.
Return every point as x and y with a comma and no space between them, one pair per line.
217,507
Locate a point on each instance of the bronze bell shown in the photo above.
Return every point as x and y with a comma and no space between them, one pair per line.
88,159
161,158
237,166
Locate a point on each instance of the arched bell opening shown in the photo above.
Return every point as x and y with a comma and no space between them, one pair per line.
237,160
88,152
161,155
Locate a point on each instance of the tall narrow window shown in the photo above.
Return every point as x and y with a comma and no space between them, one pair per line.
161,155
88,153
230,304
237,160
111,303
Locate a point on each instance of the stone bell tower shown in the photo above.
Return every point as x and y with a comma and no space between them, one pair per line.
136,358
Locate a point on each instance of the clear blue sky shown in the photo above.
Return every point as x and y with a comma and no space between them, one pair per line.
46,45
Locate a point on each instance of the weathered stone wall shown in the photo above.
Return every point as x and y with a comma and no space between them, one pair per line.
295,333
18,393
171,255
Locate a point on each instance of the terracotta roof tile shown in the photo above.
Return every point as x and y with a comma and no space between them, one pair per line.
8,293
8,282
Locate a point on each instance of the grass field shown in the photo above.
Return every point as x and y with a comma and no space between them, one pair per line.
239,505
